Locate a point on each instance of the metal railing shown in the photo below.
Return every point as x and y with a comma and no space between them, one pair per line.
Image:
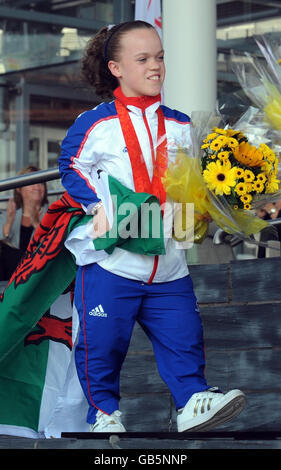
53,174
29,178
18,181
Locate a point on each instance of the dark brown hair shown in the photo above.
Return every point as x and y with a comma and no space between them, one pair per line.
105,46
17,195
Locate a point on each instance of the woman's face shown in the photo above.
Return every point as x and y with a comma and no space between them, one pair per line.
33,193
140,68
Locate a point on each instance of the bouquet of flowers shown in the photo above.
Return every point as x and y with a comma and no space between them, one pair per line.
237,170
225,176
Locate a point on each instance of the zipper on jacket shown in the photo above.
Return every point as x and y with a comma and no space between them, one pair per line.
156,258
155,266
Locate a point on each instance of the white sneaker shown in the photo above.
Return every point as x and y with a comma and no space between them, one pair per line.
108,423
205,410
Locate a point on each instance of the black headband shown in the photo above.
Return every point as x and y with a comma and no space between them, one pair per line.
115,29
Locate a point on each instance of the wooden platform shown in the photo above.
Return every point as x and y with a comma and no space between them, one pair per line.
172,441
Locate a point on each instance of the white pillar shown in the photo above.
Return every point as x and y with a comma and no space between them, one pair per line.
189,38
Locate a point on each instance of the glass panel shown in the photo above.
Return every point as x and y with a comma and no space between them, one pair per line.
34,152
57,33
97,9
53,153
24,46
7,160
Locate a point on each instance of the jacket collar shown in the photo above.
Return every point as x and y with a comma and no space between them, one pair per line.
139,102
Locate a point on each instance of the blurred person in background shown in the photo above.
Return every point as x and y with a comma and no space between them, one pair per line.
271,211
23,214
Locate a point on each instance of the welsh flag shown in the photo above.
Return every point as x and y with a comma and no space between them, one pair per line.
40,395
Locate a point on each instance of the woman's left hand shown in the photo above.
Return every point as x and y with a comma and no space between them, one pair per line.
204,217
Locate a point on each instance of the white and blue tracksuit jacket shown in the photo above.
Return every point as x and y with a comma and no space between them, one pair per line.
95,141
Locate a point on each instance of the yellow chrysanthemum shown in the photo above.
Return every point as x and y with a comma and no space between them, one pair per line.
261,177
248,155
222,139
239,172
266,167
271,157
223,155
211,136
220,177
232,143
241,189
231,132
246,198
249,176
258,186
249,187
272,185
268,153
219,131
216,145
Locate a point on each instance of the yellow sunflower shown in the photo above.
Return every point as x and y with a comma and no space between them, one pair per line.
232,143
258,186
249,176
211,136
241,189
261,177
239,172
249,187
247,206
220,177
248,155
216,144
222,139
223,155
246,198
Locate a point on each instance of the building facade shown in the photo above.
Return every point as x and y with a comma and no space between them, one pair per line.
41,42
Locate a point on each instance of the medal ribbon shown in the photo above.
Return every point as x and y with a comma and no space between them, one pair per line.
140,174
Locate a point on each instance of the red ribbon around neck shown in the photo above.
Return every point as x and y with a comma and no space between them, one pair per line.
140,174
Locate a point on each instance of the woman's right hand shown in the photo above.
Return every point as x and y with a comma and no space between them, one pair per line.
100,223
10,217
11,212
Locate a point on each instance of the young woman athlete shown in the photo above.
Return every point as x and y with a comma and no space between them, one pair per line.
131,138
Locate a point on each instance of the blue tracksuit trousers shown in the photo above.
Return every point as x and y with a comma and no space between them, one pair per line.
108,306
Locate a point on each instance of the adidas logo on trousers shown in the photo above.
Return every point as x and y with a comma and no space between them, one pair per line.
98,312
